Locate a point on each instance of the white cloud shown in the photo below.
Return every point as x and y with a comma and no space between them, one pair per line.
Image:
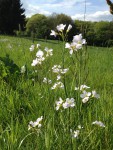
31,10
69,7
97,16
63,4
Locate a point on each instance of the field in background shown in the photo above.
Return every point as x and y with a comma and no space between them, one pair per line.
28,100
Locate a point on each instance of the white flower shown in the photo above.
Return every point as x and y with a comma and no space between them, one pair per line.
67,45
72,47
56,68
82,87
49,52
69,103
99,123
38,45
32,48
35,62
63,71
45,80
76,88
69,27
57,85
95,95
58,77
23,69
76,43
39,53
80,127
59,103
36,123
78,46
53,33
61,27
85,96
85,99
76,134
78,39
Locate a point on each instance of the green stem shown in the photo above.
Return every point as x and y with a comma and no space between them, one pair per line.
63,61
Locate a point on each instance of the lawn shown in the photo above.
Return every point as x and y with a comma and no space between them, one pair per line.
24,97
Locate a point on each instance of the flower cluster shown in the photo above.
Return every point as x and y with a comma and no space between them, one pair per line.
40,55
76,44
87,95
69,102
45,80
99,123
32,48
49,52
76,133
59,71
60,28
58,85
35,124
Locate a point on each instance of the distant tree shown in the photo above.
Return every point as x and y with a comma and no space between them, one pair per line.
110,5
12,16
38,25
56,19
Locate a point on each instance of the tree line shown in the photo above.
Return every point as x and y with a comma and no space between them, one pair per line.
96,33
14,22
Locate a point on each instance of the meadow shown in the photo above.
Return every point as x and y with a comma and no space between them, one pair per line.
25,96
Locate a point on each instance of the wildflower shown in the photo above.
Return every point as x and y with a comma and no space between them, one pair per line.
99,123
80,127
69,27
57,85
40,53
85,99
67,45
95,95
78,39
56,68
23,69
38,45
35,62
53,33
76,88
32,48
63,71
76,134
45,80
69,103
59,103
58,77
61,27
76,43
49,52
37,123
85,96
82,87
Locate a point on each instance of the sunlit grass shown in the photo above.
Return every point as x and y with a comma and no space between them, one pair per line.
28,100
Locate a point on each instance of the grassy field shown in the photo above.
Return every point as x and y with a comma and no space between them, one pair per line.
24,97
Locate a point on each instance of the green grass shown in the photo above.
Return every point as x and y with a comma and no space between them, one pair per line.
27,100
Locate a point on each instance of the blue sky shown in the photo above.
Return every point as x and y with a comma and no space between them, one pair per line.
96,10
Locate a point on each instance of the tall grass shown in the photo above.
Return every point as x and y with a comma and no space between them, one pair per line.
30,99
